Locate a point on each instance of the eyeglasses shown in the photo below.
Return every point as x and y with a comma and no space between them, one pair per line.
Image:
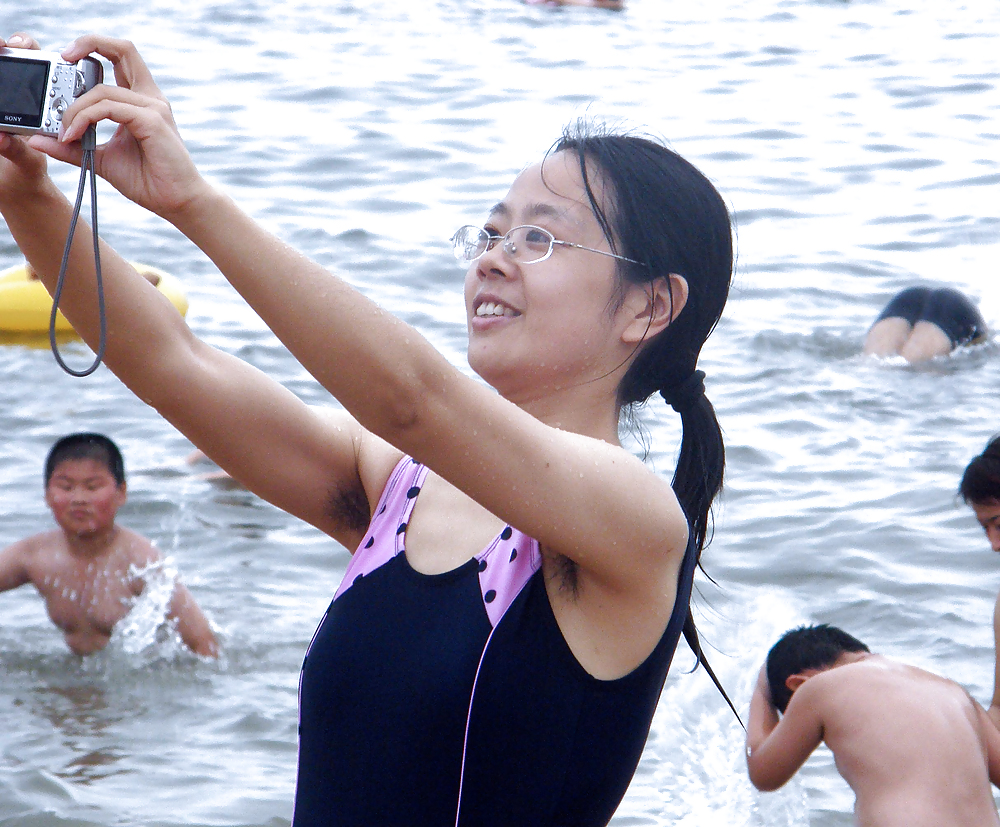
526,244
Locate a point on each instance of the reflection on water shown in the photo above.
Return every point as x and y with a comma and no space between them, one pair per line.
82,717
856,146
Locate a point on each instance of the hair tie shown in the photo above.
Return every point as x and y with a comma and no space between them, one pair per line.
685,394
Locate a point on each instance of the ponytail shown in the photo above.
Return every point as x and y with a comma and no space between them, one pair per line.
664,217
702,458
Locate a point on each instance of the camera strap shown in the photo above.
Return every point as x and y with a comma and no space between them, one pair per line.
89,142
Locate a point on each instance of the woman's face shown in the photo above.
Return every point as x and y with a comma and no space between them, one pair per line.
551,324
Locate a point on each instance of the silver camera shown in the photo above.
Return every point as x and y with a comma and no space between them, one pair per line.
36,88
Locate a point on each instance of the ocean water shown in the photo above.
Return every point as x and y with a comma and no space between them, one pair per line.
855,143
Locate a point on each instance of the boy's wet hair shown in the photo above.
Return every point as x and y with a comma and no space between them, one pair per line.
807,647
981,478
86,446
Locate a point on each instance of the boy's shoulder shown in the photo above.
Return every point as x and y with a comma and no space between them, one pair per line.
49,540
134,547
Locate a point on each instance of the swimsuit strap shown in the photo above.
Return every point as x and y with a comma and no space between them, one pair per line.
505,565
386,532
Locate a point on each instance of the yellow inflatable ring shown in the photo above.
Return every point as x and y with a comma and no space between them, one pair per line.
25,304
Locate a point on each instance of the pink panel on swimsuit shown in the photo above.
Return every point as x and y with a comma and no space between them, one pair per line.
504,566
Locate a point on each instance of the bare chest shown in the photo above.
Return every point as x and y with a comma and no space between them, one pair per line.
81,597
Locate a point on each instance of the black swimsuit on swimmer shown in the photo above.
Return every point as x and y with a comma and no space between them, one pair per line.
945,307
422,691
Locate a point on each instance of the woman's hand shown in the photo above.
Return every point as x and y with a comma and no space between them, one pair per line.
22,170
145,160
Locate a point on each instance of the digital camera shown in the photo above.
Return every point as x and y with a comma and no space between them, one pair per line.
36,88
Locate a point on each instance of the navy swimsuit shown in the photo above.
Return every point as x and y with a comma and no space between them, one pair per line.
946,307
422,691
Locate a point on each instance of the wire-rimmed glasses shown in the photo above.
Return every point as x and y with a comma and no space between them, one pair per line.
525,244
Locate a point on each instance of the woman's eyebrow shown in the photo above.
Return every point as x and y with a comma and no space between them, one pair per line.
536,210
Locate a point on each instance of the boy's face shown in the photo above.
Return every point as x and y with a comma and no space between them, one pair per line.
84,496
988,514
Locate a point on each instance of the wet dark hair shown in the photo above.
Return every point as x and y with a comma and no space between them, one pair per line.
666,215
86,446
981,478
807,647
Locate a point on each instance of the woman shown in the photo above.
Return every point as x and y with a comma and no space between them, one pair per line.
496,650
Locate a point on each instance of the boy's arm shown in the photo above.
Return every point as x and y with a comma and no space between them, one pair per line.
192,625
776,748
13,565
994,710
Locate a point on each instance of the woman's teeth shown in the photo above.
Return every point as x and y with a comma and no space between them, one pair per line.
493,309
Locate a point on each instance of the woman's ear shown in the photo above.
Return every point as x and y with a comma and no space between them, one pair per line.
653,306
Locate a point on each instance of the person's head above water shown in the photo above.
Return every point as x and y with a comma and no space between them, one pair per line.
981,478
86,446
658,288
807,648
980,489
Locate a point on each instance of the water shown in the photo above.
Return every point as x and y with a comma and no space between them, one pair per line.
855,143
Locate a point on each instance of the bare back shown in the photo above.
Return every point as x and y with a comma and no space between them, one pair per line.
912,745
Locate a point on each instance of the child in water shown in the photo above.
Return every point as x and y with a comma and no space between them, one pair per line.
915,747
87,570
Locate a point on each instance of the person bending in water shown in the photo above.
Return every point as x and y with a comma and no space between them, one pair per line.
916,749
89,570
495,652
980,489
922,322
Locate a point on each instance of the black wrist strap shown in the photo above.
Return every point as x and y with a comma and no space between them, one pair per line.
89,142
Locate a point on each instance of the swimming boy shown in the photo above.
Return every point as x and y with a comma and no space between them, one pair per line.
88,570
980,489
916,748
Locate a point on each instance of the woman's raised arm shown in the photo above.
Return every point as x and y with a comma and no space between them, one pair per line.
578,496
257,430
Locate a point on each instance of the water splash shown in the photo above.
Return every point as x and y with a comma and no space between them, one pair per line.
145,630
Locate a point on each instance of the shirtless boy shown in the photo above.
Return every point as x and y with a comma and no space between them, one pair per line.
916,749
980,488
86,570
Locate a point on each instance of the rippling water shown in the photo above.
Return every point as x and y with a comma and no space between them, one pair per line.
856,145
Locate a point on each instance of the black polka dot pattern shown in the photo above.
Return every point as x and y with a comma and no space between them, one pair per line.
482,565
506,533
490,596
513,555
370,543
413,492
401,529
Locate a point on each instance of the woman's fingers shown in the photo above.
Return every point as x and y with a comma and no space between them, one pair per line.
21,169
140,114
131,71
20,40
